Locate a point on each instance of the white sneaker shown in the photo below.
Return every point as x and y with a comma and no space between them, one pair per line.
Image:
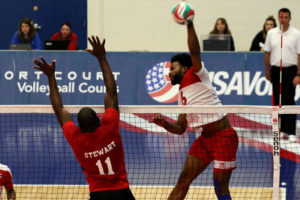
292,138
284,135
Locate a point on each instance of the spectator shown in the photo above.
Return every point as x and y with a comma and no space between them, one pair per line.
66,33
290,72
221,28
6,180
27,34
258,42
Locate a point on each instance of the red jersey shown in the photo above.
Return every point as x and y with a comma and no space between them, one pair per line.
5,178
72,37
100,153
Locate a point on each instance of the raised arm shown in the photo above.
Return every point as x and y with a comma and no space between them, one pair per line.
194,47
111,96
62,114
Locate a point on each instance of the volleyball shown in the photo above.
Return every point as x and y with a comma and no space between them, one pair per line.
183,13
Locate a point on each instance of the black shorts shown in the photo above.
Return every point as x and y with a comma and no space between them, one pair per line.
123,194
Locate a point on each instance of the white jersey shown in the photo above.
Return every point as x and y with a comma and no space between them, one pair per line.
196,89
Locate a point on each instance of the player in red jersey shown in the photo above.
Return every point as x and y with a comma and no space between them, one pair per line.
218,141
96,145
6,181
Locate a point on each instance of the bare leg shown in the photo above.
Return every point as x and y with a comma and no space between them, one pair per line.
221,183
193,166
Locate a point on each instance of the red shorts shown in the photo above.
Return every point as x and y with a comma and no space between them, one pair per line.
220,147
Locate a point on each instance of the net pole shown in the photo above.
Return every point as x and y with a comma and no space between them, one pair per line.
276,127
280,68
276,153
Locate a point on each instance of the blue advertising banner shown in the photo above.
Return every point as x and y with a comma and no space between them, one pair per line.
142,78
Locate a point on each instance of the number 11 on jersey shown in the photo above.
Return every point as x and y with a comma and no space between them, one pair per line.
108,164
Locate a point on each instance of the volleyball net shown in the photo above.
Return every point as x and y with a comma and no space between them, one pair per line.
44,167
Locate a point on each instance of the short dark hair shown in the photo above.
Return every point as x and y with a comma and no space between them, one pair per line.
88,120
67,24
183,58
285,10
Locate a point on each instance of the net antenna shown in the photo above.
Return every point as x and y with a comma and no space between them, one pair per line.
281,40
277,126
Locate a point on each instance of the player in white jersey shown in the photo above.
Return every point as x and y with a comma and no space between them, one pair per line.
7,182
218,141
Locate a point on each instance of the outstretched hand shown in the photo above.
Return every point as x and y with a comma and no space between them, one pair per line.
46,68
98,48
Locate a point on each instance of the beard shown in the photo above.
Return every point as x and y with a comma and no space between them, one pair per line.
176,79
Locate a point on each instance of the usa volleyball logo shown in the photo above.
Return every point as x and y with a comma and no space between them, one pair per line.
158,83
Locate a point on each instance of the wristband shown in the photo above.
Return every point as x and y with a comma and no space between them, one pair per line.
297,74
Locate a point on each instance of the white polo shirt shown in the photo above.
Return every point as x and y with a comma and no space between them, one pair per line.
290,46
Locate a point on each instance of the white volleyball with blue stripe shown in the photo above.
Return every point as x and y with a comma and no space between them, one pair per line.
183,13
